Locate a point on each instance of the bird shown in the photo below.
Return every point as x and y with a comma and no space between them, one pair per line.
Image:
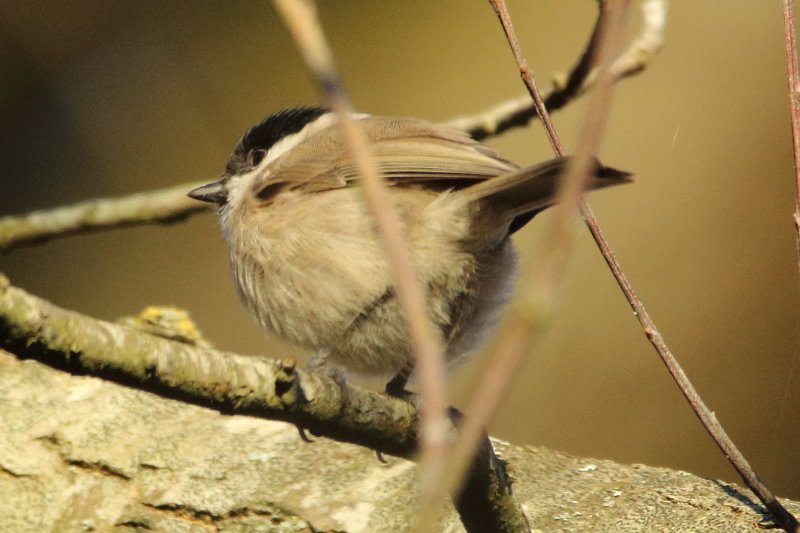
309,264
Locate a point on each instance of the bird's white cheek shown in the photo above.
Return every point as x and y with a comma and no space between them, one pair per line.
235,215
238,189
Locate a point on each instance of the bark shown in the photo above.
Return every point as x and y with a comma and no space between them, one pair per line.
80,453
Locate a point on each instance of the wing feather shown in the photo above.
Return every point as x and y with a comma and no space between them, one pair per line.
407,151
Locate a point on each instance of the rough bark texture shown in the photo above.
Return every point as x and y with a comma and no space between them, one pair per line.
144,352
82,454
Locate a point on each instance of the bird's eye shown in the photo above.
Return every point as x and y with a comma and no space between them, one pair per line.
256,157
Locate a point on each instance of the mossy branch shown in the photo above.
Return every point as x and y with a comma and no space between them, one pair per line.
32,328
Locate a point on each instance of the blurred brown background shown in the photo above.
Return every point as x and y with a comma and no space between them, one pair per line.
102,99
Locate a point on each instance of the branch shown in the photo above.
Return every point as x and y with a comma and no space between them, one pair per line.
158,465
794,105
521,111
517,339
171,205
707,417
427,346
32,328
531,312
162,206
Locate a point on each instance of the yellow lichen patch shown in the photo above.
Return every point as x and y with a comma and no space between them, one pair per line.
169,322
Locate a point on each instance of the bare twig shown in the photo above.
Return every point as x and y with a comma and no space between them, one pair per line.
301,18
32,328
531,313
520,111
171,204
527,76
794,105
708,419
161,206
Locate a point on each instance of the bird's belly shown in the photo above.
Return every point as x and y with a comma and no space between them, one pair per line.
307,296
326,284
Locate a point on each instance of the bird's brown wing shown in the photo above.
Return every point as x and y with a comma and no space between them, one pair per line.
406,150
411,151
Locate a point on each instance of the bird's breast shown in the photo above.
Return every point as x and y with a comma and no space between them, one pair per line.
314,271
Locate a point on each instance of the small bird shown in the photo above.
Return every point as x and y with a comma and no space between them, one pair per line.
304,251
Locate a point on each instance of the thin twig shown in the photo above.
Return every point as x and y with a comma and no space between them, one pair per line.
520,111
301,18
527,76
794,105
171,204
707,418
161,206
531,313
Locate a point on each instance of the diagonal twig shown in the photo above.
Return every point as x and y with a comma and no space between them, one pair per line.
794,105
301,18
530,314
706,416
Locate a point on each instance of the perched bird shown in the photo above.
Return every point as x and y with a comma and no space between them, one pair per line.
304,251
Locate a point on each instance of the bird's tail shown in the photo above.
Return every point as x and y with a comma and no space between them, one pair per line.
525,192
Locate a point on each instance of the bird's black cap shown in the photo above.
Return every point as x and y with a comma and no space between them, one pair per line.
269,131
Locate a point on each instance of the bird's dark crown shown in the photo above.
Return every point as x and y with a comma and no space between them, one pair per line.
269,131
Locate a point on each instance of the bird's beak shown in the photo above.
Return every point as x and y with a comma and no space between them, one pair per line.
214,192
